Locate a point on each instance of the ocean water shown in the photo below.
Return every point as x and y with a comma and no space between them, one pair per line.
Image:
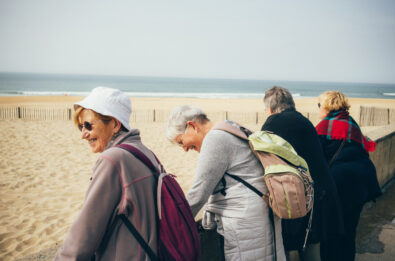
12,84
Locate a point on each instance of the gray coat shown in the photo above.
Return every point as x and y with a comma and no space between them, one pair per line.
121,184
240,216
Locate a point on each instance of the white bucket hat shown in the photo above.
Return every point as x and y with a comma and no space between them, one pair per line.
108,102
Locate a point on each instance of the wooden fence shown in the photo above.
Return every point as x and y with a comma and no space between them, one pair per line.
372,116
368,116
35,113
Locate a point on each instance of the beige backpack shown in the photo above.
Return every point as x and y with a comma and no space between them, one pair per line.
291,193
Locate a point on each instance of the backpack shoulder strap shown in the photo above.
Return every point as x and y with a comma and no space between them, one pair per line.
231,129
337,153
140,156
144,159
224,126
248,185
139,238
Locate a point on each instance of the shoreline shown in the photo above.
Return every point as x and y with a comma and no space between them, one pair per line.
164,102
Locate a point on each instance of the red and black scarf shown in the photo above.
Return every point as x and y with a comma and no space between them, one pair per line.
340,125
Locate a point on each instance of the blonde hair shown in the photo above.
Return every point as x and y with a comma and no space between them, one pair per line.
79,110
333,101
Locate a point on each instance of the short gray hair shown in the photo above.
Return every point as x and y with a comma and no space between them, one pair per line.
278,99
177,121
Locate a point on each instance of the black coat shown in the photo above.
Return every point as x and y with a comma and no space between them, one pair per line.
353,172
327,218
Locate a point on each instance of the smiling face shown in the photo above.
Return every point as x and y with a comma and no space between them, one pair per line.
190,140
193,136
101,132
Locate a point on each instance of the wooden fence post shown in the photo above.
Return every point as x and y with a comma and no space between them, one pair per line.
256,118
389,115
360,116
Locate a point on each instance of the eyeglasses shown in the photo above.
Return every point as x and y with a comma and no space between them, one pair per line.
319,105
181,141
86,125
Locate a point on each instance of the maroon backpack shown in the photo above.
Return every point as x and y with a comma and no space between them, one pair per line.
178,233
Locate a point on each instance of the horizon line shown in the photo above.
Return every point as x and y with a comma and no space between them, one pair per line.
185,77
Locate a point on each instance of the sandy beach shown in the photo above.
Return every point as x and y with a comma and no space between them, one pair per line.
45,167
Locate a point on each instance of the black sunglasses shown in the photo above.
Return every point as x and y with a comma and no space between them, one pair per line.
86,125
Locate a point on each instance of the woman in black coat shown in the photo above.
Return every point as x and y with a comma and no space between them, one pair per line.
346,150
292,126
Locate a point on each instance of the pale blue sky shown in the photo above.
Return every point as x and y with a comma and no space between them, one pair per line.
333,40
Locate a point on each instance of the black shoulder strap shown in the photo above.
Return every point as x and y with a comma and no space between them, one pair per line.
223,190
143,158
245,183
139,238
337,153
271,217
246,131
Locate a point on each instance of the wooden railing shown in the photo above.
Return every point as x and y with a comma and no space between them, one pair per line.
368,116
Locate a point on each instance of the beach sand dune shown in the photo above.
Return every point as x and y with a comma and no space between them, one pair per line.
45,169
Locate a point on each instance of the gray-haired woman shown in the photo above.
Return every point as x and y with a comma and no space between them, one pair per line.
292,126
239,215
121,184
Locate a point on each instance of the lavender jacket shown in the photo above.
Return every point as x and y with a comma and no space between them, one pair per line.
121,184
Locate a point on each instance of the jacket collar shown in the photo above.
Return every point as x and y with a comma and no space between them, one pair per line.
132,135
289,110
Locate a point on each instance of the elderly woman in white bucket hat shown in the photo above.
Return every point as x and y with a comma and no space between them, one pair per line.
121,184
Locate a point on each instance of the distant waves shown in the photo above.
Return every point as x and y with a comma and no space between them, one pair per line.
23,84
145,94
